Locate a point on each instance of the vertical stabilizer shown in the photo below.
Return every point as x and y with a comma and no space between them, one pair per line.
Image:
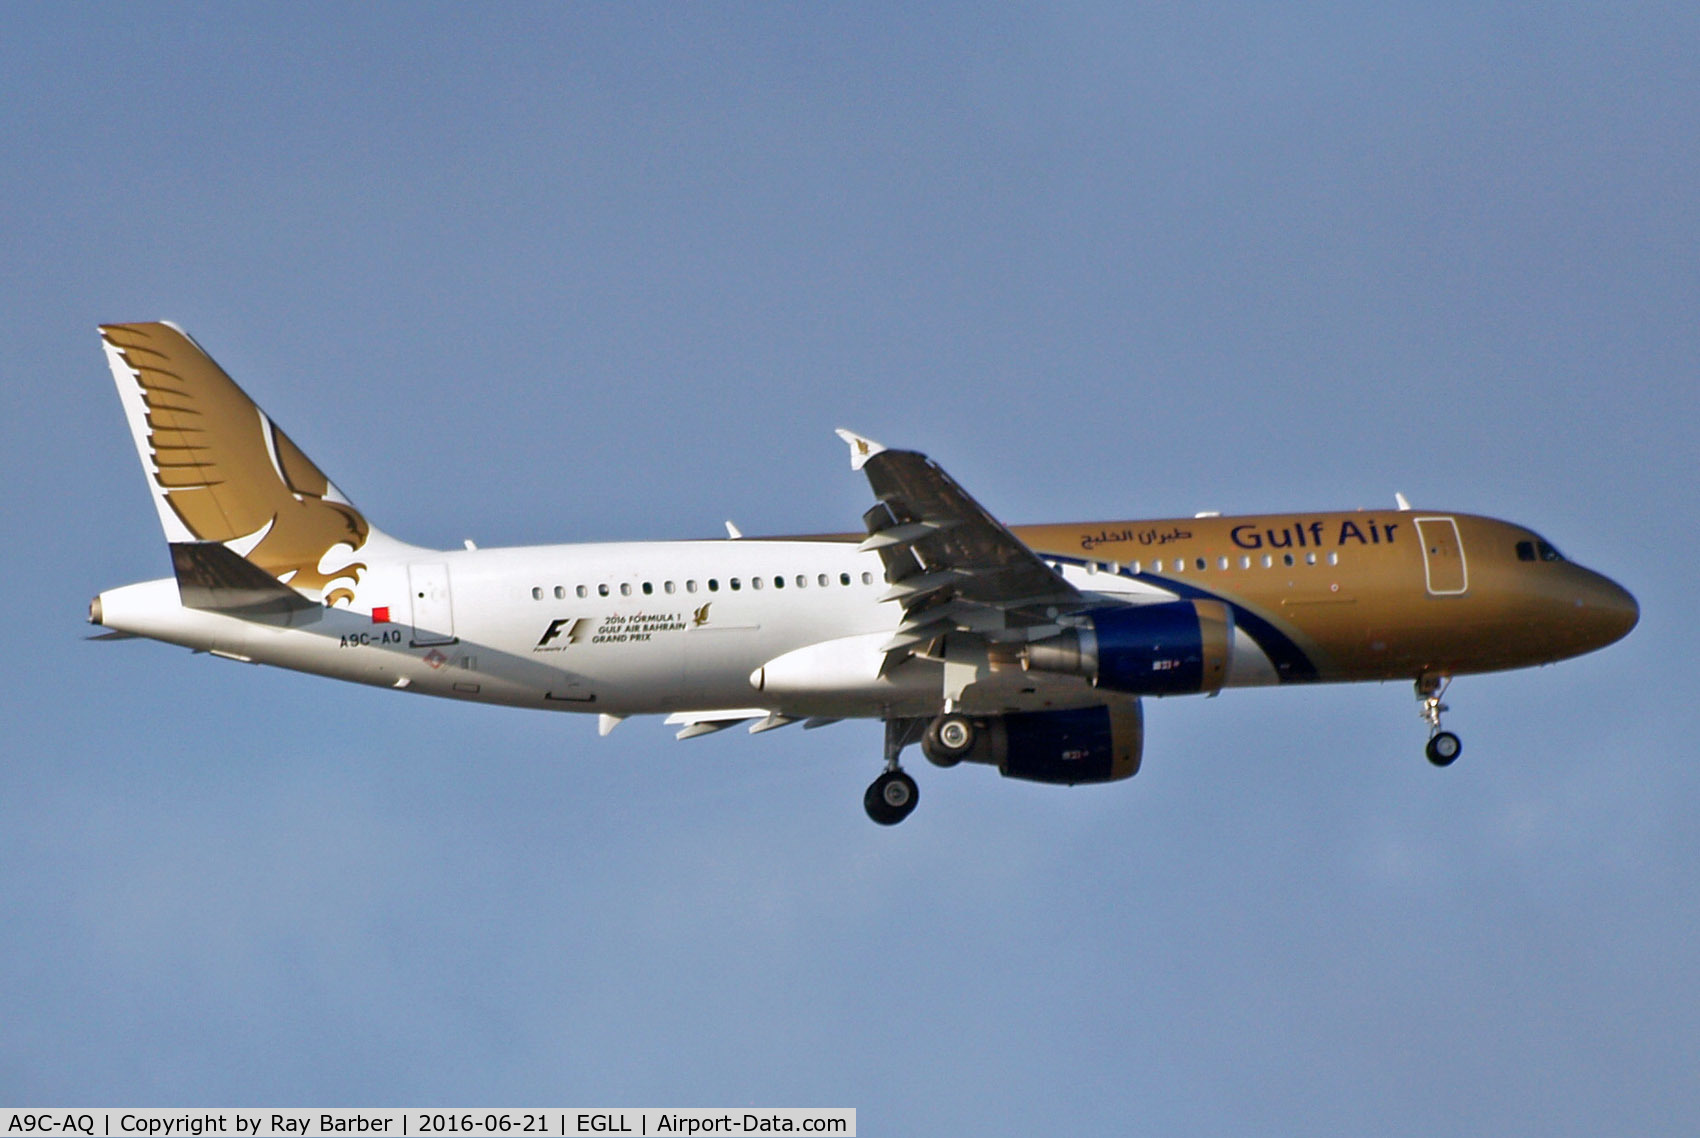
221,471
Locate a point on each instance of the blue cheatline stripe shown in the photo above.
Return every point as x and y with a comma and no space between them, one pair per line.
1292,666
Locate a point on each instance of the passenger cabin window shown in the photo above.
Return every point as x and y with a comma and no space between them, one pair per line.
823,580
690,586
867,578
669,588
844,578
714,584
736,584
648,589
537,594
560,592
625,588
582,591
602,590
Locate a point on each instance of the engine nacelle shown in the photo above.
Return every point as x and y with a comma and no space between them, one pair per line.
1088,744
1170,648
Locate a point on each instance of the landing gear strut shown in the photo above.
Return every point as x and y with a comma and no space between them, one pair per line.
893,795
1443,746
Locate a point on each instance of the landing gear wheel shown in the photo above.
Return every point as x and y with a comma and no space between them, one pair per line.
948,740
891,798
1443,748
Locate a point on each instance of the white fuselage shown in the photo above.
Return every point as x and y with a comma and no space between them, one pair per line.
786,627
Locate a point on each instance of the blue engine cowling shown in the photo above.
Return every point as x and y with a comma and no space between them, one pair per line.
1168,648
1087,744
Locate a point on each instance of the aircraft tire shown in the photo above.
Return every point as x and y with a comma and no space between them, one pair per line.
1444,748
891,798
948,740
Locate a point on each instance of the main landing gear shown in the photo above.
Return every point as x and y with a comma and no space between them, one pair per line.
1443,746
893,796
948,739
945,739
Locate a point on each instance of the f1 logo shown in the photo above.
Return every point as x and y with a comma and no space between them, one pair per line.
556,627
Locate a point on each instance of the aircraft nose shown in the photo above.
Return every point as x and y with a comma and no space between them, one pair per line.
1608,609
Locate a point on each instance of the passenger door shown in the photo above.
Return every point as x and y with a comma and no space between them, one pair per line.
1443,557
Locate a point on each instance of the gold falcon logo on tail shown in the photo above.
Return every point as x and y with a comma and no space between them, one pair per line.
223,471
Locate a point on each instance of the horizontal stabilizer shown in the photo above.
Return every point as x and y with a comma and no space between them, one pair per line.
211,576
697,723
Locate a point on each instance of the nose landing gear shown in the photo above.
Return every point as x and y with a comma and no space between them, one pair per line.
1443,746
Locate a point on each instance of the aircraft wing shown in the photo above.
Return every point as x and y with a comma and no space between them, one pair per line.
952,566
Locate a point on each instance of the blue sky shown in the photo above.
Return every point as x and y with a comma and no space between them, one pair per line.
546,273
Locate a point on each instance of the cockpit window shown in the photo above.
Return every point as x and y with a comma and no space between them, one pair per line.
1525,551
1537,551
1548,553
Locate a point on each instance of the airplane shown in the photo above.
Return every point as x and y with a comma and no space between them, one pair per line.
1029,649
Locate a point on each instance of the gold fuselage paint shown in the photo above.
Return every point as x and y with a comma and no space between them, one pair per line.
1364,595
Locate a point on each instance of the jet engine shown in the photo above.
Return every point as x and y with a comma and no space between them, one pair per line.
1088,744
1168,648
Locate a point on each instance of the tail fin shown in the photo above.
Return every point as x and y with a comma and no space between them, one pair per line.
221,471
